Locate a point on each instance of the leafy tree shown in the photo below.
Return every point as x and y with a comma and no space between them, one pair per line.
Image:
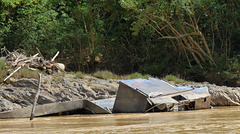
174,20
158,37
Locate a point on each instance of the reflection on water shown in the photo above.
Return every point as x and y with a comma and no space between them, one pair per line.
217,120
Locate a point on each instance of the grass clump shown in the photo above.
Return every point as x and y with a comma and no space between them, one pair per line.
105,75
79,75
174,79
136,75
26,73
72,73
110,75
3,70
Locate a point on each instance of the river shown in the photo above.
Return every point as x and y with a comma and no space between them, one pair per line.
217,120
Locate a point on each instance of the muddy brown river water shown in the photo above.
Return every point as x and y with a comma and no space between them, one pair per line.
217,120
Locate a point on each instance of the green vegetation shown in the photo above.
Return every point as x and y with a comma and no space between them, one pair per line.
136,75
105,75
109,75
22,73
3,70
174,79
26,73
79,75
195,39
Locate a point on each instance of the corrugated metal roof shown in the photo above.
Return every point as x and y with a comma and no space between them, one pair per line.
152,86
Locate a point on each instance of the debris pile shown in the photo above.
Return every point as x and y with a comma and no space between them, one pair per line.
18,60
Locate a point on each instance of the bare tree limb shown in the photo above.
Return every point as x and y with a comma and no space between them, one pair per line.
180,36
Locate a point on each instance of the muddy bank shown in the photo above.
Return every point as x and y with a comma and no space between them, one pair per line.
20,93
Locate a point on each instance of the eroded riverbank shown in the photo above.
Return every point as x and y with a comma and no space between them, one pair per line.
217,120
19,93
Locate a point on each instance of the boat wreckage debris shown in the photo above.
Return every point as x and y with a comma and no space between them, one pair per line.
155,95
133,96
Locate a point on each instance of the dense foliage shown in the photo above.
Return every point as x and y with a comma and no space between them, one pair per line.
197,39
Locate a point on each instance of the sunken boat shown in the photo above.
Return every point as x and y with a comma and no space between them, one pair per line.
155,95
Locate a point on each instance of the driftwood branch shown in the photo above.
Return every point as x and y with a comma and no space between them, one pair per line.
12,73
4,49
39,52
55,56
36,97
